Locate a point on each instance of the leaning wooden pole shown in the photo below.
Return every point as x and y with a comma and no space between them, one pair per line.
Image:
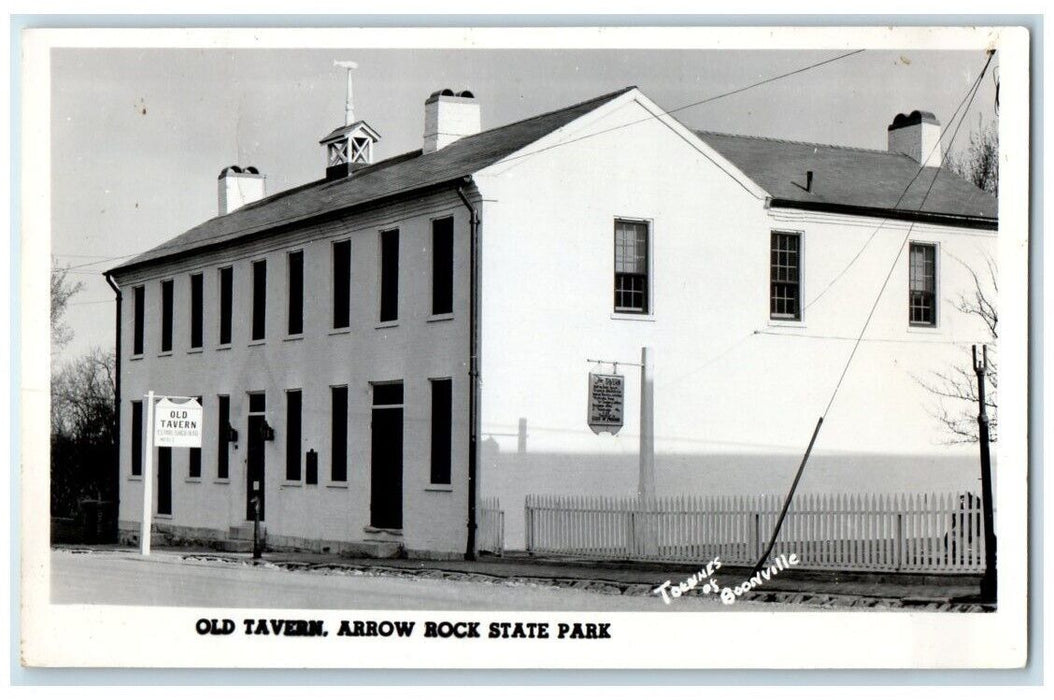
790,496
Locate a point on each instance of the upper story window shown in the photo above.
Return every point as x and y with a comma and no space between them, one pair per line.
166,315
197,302
296,292
389,275
138,316
785,277
631,267
259,300
226,304
443,266
342,284
922,284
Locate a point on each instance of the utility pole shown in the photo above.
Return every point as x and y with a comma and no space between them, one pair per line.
988,581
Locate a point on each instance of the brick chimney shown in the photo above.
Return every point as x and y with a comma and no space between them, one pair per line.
917,135
449,117
238,187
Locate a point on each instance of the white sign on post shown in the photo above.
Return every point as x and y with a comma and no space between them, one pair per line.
177,423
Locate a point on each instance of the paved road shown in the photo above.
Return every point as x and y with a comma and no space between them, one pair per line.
121,578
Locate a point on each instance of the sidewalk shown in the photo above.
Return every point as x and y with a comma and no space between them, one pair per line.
824,589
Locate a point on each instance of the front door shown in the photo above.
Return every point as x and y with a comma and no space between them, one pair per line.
254,485
386,457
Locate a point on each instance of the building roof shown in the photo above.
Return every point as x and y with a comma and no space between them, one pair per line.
398,175
846,180
849,180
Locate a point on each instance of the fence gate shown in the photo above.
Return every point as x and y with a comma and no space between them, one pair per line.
491,534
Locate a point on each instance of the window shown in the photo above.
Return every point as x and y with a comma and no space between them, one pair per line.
166,316
922,284
138,298
137,438
339,442
296,292
223,438
194,467
441,397
196,309
292,441
259,300
341,284
443,266
226,304
785,279
257,402
631,267
389,275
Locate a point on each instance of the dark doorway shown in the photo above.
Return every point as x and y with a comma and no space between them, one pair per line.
254,482
164,481
386,457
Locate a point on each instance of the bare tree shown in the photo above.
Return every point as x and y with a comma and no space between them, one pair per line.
979,162
956,389
61,291
82,431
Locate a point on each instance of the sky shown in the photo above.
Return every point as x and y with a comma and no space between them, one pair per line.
140,135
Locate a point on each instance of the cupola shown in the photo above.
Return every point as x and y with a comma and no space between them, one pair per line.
349,147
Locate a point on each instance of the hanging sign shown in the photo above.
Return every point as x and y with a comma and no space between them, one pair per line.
606,400
177,423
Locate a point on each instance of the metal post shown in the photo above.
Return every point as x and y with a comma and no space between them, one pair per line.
148,478
257,548
988,581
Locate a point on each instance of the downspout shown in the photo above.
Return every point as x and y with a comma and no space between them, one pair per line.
116,407
473,370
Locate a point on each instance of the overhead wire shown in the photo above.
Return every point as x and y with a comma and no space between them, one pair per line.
972,93
280,222
885,219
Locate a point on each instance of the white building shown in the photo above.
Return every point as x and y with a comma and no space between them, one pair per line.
350,316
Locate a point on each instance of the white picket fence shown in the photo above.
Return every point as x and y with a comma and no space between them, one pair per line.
491,530
865,532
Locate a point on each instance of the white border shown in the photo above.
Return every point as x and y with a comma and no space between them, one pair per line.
165,637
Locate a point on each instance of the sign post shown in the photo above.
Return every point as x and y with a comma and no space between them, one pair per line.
174,421
605,411
148,478
646,480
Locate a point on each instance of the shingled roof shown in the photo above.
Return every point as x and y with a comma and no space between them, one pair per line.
846,180
401,174
855,180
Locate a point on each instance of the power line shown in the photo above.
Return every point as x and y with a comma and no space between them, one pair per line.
971,94
687,106
920,341
903,194
797,71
